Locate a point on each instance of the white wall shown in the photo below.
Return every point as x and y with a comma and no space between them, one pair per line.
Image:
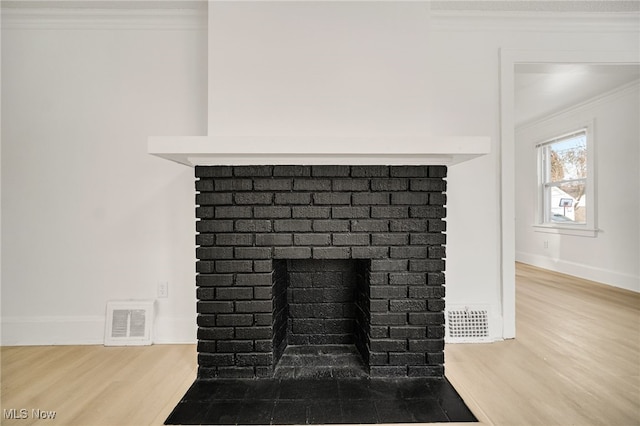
88,216
613,256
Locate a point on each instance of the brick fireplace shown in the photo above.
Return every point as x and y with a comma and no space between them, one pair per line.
298,257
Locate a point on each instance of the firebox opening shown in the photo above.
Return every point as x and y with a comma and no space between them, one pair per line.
321,317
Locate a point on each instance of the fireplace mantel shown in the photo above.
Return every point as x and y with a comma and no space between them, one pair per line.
224,151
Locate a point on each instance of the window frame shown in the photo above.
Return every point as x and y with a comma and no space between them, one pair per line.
588,228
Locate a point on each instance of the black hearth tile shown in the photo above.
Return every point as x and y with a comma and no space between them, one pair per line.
384,389
229,389
426,411
202,390
354,389
313,372
223,413
189,413
393,411
309,389
452,404
359,412
417,389
324,412
254,412
289,413
263,389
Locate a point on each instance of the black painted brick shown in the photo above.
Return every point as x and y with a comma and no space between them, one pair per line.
214,226
427,212
428,239
408,332
208,171
426,318
312,239
426,371
254,306
253,225
420,292
253,198
205,239
379,331
387,345
214,280
410,305
409,252
350,239
435,278
409,225
389,239
431,185
379,358
388,371
252,252
389,184
252,171
406,358
292,198
262,319
207,212
292,171
370,198
253,333
205,293
369,171
254,359
272,212
435,332
214,360
272,185
369,252
389,265
436,225
426,265
233,212
215,333
437,199
388,318
407,278
233,346
426,345
262,293
333,171
234,320
396,212
204,185
292,225
261,266
213,199
438,171
435,358
369,225
208,253
410,171
350,184
214,307
301,184
332,198
206,320
254,280
234,293
223,266
331,252
416,198
292,252
204,266
387,292
435,305
311,212
269,240
236,372
233,185
350,212
331,225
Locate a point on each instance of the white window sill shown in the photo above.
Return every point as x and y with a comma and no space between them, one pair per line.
575,230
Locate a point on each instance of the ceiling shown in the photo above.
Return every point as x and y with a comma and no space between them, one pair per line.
543,89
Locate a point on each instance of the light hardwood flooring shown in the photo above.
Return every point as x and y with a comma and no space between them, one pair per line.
575,361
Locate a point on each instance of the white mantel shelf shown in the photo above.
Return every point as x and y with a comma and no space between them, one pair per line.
237,151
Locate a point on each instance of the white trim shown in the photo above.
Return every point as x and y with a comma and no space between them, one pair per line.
508,59
86,330
576,230
241,150
103,19
582,270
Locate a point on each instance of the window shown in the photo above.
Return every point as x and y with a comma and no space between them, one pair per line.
565,184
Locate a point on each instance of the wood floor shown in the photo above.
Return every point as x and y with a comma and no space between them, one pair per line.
575,361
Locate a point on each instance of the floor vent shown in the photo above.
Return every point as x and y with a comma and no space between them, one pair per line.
129,323
467,324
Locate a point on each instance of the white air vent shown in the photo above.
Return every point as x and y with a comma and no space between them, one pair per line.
467,324
129,323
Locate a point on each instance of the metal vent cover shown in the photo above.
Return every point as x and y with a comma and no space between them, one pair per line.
129,323
467,324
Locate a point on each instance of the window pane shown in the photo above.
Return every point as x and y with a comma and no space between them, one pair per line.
568,158
566,203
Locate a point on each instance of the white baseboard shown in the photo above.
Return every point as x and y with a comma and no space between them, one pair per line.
85,330
588,272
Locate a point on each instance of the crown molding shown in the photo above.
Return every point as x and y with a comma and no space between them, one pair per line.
89,18
561,22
